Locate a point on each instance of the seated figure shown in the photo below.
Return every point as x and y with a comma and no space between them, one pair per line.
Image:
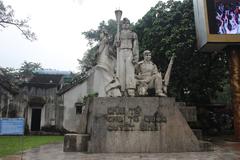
147,76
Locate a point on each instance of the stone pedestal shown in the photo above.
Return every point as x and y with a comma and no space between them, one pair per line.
138,124
76,142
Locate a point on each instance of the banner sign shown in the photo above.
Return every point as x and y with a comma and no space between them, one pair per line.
11,126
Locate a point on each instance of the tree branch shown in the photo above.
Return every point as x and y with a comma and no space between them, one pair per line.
7,18
27,33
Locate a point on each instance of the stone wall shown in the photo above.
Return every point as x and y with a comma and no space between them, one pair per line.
70,118
93,84
138,124
48,106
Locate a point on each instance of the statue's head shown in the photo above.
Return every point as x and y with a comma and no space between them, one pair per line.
147,55
125,23
103,33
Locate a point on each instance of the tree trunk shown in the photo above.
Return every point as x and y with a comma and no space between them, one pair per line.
234,66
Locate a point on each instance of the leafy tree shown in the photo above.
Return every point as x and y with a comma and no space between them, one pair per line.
7,18
93,36
87,62
10,74
27,69
16,76
168,29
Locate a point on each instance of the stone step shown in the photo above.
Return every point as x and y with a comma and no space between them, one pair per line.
181,104
76,142
198,133
189,113
206,146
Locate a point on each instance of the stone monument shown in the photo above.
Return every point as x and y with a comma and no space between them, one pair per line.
148,76
105,67
126,120
126,42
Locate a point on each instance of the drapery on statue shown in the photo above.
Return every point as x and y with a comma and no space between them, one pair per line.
126,42
105,66
148,76
105,59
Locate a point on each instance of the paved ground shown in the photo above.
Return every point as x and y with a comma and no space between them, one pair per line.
222,151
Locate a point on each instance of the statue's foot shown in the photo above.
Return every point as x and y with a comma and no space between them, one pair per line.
161,95
131,92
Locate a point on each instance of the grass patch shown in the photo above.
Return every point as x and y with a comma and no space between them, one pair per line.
12,144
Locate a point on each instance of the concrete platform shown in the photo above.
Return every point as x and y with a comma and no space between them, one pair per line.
139,125
222,151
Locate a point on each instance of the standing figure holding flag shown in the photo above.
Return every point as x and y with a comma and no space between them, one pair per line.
126,42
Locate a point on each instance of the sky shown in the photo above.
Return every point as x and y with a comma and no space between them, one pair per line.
58,25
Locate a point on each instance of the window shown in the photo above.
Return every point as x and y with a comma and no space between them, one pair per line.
79,107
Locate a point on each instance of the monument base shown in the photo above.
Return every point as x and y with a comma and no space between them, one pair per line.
137,125
75,142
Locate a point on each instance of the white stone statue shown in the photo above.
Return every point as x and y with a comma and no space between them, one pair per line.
105,59
128,53
148,76
107,83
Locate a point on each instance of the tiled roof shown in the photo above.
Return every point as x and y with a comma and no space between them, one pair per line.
74,82
53,72
45,80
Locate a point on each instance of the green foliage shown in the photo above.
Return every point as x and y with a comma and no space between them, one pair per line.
11,74
94,35
50,130
7,18
168,29
197,77
215,120
28,68
17,76
224,96
89,59
12,144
